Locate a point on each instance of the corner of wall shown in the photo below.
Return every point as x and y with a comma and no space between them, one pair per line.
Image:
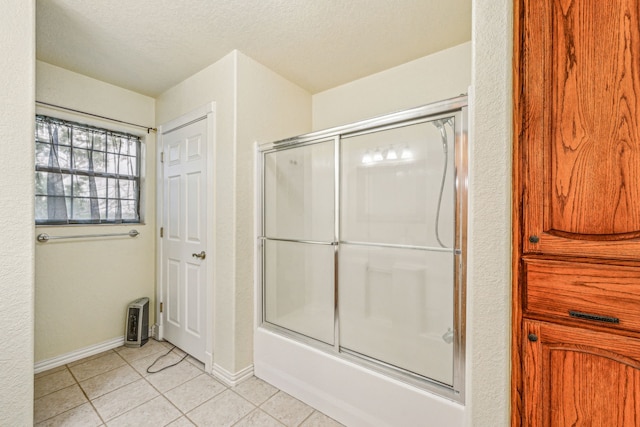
489,268
17,91
72,276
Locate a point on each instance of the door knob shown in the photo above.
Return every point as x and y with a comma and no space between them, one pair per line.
201,255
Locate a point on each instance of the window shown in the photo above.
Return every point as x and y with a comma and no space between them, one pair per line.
85,175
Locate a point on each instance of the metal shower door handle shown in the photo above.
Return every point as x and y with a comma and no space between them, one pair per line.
201,255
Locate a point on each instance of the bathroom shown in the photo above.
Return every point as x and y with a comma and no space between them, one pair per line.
486,60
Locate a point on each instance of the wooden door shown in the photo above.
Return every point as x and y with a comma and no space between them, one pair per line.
577,105
577,377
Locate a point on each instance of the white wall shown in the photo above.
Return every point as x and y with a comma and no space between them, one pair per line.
445,74
215,83
349,393
489,269
17,87
269,108
252,104
488,285
83,286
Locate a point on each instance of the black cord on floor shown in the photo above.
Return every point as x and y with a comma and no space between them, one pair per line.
165,367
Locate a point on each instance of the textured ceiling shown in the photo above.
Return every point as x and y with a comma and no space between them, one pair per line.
149,46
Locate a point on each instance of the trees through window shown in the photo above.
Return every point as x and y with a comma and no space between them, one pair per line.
85,174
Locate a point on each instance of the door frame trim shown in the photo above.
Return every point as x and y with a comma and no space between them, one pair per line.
206,112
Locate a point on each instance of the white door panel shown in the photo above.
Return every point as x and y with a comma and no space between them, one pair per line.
185,204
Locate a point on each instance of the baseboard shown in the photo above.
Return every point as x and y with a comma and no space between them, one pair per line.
230,379
63,359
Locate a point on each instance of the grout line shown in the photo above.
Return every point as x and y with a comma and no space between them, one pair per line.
254,410
183,414
308,416
85,395
163,394
127,363
104,354
45,376
63,388
49,372
215,397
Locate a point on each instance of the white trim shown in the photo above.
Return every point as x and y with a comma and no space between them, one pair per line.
63,359
159,225
211,235
187,118
230,379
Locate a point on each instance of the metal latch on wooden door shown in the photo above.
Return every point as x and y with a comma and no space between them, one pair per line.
201,255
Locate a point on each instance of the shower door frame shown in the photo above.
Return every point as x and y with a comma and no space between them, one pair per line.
456,107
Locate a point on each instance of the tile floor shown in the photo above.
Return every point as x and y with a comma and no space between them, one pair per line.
114,389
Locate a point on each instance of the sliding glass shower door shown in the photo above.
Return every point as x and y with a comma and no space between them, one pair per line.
363,242
396,275
298,239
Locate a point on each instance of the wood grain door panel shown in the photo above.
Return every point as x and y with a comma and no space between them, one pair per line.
577,377
579,112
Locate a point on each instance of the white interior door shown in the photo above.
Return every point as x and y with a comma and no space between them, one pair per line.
184,287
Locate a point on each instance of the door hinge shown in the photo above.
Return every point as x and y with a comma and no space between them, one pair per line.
162,157
161,231
161,307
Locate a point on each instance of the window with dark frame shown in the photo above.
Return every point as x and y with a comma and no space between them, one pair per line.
85,174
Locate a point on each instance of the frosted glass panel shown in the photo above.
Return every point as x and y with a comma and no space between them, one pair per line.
299,193
396,305
299,291
392,189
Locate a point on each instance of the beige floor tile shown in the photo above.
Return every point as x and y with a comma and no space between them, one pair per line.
82,416
97,366
156,412
181,422
195,362
176,350
121,392
158,360
223,410
286,409
318,419
174,376
88,358
104,383
194,392
255,390
124,399
57,402
50,371
52,382
150,348
258,418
